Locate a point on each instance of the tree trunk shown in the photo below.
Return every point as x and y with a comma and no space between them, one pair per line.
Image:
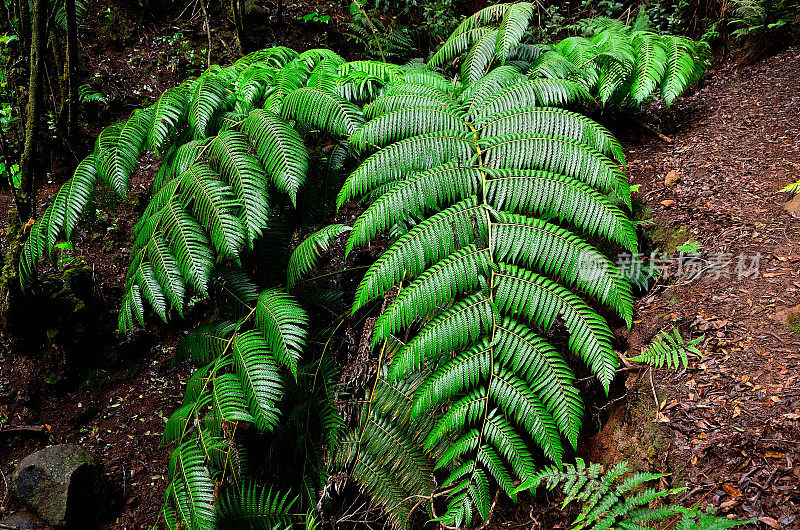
24,25
25,194
238,22
69,104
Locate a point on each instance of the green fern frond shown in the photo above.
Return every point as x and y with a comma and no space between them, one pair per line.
525,353
512,27
558,155
457,44
283,323
119,147
189,245
254,506
541,301
402,124
551,64
390,103
229,153
209,95
670,349
399,159
613,498
170,112
280,149
228,399
258,376
794,187
550,195
449,278
322,110
205,343
191,487
650,65
426,243
485,16
475,95
214,206
306,256
453,329
552,122
415,195
479,57
87,94
562,256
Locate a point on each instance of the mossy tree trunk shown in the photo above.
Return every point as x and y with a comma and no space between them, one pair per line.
236,6
69,102
24,13
25,195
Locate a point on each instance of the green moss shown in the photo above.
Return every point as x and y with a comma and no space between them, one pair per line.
668,239
9,274
793,321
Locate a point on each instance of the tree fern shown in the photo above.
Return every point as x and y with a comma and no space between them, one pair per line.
618,65
210,199
241,380
502,252
501,210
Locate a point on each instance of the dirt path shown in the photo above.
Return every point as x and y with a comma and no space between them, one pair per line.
733,420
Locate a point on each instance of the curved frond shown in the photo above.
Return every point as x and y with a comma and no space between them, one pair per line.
279,148
306,256
402,124
323,110
541,301
230,154
284,325
259,377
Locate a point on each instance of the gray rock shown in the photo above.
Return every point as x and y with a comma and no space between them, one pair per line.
25,521
61,483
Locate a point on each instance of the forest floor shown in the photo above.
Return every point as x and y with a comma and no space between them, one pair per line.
728,427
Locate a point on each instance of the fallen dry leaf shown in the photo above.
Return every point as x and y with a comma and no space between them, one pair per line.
732,490
672,178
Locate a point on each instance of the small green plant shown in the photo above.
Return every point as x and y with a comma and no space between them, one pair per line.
793,321
616,499
12,173
5,42
794,187
378,39
64,248
671,350
691,247
314,17
86,94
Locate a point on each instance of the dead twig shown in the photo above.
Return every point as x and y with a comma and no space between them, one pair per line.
650,129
